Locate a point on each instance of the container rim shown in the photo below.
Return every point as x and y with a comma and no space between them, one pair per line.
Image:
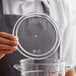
43,61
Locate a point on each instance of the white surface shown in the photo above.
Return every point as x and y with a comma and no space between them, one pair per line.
73,18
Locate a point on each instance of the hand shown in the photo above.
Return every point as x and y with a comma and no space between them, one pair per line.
70,72
8,43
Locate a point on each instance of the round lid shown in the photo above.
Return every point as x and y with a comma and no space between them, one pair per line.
38,35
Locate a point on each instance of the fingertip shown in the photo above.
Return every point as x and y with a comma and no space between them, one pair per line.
15,38
15,48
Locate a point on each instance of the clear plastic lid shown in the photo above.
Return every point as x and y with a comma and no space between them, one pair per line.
38,35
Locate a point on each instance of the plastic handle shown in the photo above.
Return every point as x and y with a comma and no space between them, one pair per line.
17,67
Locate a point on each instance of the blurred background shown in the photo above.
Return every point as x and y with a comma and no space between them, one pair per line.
72,4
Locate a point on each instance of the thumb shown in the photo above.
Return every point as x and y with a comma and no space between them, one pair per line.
1,55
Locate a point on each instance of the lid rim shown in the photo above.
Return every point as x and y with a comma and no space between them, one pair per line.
57,42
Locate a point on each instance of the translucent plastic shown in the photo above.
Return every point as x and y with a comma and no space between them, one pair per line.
29,67
37,32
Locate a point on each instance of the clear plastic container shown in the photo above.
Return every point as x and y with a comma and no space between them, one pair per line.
47,67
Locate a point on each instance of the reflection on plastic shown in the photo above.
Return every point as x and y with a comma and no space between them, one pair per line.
49,72
41,73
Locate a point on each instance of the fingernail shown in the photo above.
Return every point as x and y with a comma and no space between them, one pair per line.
16,38
15,47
